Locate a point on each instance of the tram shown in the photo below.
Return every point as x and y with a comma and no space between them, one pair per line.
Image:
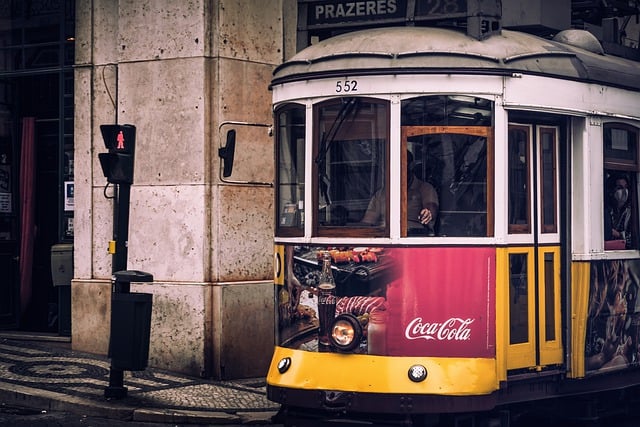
517,287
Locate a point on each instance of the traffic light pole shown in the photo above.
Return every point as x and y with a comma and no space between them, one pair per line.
121,228
118,167
121,199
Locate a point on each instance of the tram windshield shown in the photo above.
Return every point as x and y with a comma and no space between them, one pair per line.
445,175
450,136
351,164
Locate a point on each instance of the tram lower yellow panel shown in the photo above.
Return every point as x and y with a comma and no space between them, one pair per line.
381,374
580,278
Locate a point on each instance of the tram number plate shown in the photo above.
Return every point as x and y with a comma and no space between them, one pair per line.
442,7
346,86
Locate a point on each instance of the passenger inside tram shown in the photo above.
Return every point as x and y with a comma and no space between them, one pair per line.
618,215
422,204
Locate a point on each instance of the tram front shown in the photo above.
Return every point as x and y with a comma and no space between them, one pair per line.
389,172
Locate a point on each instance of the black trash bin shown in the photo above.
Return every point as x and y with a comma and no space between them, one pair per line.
130,322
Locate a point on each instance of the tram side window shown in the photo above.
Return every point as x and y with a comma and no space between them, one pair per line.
450,138
351,138
290,132
621,167
518,176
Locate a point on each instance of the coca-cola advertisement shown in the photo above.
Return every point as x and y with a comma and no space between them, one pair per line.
443,304
412,301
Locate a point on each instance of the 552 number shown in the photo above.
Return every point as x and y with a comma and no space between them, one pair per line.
343,86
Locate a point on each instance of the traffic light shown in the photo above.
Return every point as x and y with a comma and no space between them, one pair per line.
117,164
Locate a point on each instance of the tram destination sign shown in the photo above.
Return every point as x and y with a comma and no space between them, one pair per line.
337,13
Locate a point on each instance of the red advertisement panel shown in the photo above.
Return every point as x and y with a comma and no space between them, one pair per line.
443,304
411,301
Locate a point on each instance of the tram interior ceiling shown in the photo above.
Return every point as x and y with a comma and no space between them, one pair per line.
608,20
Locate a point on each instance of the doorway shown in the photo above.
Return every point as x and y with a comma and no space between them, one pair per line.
36,161
533,258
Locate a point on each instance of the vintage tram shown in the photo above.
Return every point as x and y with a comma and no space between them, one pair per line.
517,287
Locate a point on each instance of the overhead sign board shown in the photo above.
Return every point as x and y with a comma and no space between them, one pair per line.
324,18
331,13
341,11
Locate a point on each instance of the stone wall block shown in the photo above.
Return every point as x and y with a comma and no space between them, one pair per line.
161,29
102,215
91,314
180,319
245,326
244,96
83,192
165,100
245,247
167,234
250,30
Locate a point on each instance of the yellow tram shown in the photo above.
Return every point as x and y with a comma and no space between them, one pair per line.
517,286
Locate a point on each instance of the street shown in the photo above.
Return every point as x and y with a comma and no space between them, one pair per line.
11,415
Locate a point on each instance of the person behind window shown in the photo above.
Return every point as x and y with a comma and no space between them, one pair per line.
422,204
618,215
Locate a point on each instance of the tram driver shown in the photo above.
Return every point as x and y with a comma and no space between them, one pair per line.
422,204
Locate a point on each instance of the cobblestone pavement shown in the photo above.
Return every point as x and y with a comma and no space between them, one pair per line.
51,377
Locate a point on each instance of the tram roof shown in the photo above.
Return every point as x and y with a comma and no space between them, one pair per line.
423,50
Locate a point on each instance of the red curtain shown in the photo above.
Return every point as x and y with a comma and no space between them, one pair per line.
27,210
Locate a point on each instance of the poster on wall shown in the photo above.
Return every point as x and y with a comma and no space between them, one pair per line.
69,228
5,202
5,178
408,301
68,196
613,321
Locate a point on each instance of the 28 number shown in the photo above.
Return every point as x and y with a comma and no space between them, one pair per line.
346,86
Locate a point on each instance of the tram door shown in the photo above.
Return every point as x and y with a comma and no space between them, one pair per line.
533,254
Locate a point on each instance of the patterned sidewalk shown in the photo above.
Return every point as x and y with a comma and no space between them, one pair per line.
44,375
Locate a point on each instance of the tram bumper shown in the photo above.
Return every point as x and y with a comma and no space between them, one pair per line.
320,404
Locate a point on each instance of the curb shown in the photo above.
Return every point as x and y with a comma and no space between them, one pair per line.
201,417
50,400
29,397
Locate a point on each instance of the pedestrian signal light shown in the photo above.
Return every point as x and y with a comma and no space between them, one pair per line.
117,164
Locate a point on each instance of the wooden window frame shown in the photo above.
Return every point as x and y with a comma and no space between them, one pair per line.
343,231
553,131
522,228
486,132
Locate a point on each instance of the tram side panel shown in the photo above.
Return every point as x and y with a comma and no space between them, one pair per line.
416,305
612,328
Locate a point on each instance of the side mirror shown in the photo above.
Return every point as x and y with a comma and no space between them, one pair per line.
227,152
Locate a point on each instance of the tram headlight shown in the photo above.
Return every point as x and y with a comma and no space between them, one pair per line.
346,332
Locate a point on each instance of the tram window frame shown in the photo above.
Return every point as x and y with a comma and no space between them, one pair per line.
621,158
523,157
548,151
614,158
422,155
370,126
452,139
290,211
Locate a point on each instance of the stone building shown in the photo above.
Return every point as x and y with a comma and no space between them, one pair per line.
177,71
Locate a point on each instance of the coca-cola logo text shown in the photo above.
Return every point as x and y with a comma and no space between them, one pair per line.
452,329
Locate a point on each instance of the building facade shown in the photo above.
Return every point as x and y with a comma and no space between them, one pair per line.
178,71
